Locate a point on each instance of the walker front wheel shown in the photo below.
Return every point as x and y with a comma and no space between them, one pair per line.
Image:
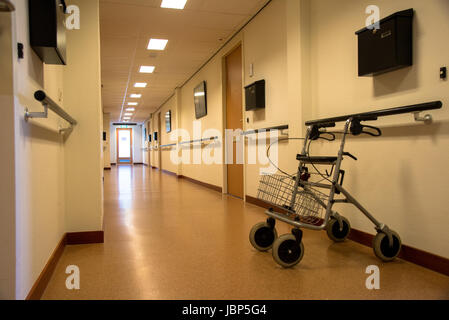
336,232
382,248
262,236
286,250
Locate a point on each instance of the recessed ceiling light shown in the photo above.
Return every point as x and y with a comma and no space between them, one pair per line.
132,103
128,114
140,85
136,96
199,94
173,4
147,69
130,109
126,118
157,44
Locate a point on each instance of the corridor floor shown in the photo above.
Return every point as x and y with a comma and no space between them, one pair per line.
167,238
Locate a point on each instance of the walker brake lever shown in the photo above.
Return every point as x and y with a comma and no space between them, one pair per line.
328,133
357,128
378,134
350,155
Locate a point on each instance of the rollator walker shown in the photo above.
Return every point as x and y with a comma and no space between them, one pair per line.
305,204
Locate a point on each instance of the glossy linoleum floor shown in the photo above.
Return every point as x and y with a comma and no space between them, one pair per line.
171,239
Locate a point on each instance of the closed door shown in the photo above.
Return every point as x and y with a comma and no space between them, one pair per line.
124,146
159,139
234,116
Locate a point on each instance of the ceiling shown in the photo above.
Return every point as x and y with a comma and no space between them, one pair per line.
194,35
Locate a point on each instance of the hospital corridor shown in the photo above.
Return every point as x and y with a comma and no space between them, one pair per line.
224,159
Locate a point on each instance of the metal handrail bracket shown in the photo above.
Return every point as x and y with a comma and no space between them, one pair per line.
48,103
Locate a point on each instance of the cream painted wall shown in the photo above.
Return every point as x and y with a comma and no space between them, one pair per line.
7,162
82,91
39,151
212,73
307,53
42,155
402,177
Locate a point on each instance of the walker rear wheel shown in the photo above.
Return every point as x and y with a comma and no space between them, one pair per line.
382,248
286,250
334,232
262,236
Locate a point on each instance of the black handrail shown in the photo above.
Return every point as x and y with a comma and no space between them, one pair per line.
373,115
282,127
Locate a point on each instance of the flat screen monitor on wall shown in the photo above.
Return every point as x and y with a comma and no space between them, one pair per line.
168,121
200,98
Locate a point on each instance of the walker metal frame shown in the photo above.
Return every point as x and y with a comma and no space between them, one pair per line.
318,129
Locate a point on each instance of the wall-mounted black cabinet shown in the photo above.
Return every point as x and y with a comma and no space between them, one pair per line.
388,48
47,30
255,95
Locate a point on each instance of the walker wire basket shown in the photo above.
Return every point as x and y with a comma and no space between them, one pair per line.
277,190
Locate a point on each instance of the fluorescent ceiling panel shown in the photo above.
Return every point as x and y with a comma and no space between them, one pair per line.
157,44
147,69
173,4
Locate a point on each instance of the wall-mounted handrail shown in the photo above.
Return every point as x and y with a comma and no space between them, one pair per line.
281,127
373,115
168,145
199,140
47,102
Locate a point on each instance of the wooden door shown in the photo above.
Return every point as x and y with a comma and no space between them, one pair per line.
234,116
124,146
159,141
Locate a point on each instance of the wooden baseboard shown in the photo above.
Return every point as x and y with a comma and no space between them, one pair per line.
70,238
422,258
169,172
139,163
85,237
204,184
42,281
